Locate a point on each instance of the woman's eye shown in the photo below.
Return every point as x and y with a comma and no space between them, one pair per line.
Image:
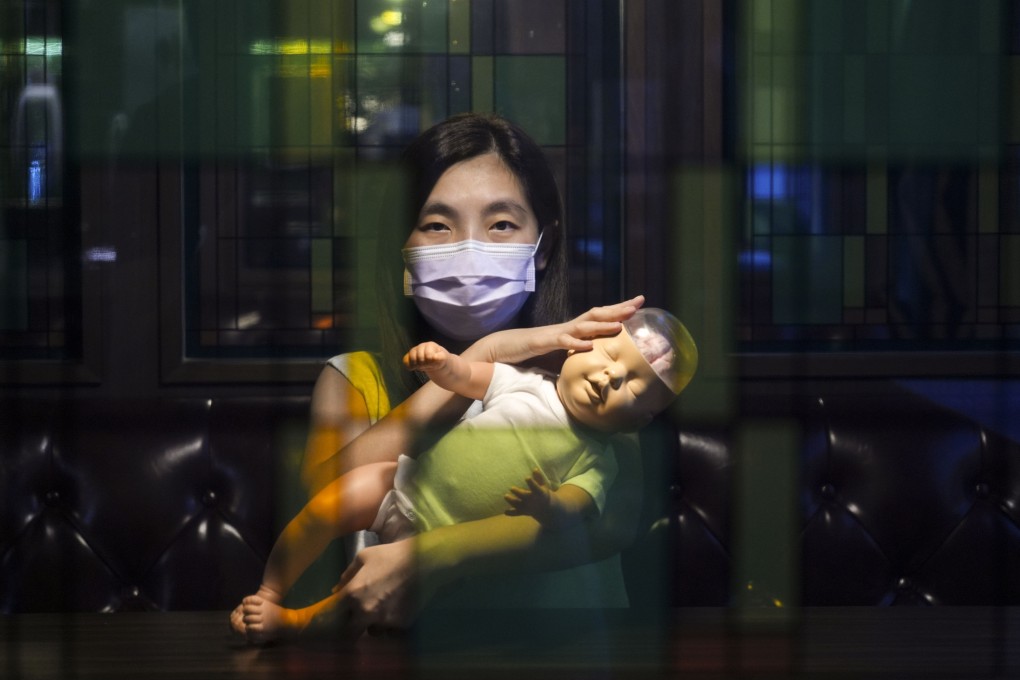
504,226
433,226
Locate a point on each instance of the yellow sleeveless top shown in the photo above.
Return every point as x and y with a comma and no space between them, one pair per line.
362,370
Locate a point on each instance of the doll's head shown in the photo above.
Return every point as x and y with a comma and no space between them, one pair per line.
666,345
625,380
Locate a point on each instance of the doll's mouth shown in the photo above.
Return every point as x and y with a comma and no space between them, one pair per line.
593,392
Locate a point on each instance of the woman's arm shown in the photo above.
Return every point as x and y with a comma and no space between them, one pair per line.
517,345
387,585
338,415
342,439
504,544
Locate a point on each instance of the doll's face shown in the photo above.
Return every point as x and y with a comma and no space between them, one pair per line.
611,388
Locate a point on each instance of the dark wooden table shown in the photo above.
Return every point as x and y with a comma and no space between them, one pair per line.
688,643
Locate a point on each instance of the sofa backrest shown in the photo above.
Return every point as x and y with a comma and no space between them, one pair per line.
898,501
113,505
157,504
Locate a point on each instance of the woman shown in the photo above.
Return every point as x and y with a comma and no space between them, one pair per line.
482,197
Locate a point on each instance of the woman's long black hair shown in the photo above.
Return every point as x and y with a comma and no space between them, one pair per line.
456,139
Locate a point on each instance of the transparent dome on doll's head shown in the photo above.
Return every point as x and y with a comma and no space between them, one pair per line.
665,344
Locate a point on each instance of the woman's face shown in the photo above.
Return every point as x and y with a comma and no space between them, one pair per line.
477,199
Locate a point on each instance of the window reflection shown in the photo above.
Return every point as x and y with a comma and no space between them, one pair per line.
37,143
313,101
39,290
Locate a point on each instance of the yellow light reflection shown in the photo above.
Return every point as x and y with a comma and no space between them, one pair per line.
386,21
292,46
392,17
320,68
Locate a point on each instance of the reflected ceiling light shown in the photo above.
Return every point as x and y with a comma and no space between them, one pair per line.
386,21
395,39
249,320
42,46
291,46
101,254
357,124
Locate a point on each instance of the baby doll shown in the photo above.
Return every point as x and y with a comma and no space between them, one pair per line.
551,430
618,386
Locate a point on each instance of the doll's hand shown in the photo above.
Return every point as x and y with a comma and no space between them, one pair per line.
428,356
535,501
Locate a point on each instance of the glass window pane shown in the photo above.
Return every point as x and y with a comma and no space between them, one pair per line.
531,26
398,97
40,273
532,92
309,101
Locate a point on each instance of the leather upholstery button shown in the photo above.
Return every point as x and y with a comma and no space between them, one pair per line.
981,489
52,498
904,583
209,498
828,491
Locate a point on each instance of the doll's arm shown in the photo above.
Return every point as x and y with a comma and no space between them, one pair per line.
471,379
342,436
554,508
450,371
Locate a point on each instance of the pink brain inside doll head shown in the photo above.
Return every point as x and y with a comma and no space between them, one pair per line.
665,344
656,351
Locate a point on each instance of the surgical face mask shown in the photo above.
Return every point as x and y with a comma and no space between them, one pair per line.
470,288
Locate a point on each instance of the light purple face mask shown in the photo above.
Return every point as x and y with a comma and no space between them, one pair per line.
469,289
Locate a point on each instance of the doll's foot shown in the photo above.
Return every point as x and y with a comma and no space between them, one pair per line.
237,621
266,621
237,625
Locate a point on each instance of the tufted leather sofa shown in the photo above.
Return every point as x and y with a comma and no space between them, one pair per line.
173,504
114,505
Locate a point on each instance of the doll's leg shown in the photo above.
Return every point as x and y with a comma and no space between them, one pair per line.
347,504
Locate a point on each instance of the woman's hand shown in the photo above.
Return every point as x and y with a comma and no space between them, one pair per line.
521,344
382,588
577,335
